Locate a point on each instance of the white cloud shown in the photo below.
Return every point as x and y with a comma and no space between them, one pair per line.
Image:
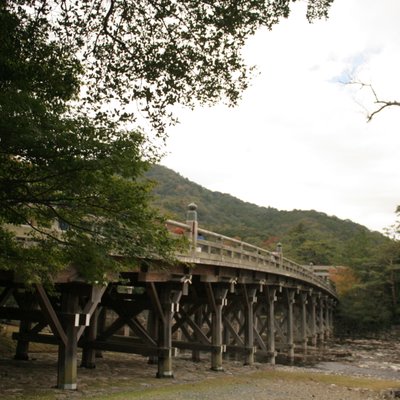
299,139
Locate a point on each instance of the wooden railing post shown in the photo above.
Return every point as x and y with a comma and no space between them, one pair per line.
191,220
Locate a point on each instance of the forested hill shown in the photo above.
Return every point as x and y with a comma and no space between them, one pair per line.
307,236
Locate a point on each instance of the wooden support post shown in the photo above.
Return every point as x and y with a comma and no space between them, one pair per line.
313,320
22,348
271,298
250,298
198,319
327,318
289,324
331,307
321,327
67,352
152,328
88,352
303,321
101,327
226,339
92,310
217,299
25,301
170,303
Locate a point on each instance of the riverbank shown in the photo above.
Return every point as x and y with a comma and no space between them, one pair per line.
350,370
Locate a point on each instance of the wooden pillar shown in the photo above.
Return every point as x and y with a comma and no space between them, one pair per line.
152,328
217,299
250,298
101,327
67,352
26,302
198,319
88,353
313,319
321,327
271,298
22,348
226,340
289,324
170,303
331,307
328,318
303,321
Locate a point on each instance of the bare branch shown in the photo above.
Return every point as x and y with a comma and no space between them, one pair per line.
382,103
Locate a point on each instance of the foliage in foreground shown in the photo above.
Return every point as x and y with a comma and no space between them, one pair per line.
62,169
77,78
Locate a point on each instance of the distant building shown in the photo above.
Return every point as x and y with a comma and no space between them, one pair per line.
324,271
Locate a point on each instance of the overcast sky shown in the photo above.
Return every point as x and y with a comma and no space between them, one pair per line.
299,138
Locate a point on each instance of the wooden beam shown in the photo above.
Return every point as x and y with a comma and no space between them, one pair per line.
135,325
5,295
199,334
37,338
95,298
124,346
236,337
50,314
153,294
14,313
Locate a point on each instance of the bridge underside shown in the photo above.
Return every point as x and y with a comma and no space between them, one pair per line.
157,312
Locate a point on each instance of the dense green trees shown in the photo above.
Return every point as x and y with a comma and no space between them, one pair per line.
59,166
372,302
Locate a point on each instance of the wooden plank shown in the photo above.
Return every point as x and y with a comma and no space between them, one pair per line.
50,314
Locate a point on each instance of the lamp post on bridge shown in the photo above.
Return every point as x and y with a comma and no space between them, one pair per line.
191,220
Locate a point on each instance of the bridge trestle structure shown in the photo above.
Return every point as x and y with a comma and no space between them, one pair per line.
222,298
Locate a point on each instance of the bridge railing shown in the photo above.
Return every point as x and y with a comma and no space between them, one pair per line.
211,246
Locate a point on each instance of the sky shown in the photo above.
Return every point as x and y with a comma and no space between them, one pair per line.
299,139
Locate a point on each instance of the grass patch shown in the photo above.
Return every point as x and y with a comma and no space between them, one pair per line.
270,375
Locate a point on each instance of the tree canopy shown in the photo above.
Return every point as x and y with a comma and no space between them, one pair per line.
61,169
142,57
77,81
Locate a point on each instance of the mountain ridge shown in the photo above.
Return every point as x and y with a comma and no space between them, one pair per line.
311,230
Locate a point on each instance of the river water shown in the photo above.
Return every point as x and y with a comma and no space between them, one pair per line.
378,358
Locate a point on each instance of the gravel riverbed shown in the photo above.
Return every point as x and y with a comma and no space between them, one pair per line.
348,370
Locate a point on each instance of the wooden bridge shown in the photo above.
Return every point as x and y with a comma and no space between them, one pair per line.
221,297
